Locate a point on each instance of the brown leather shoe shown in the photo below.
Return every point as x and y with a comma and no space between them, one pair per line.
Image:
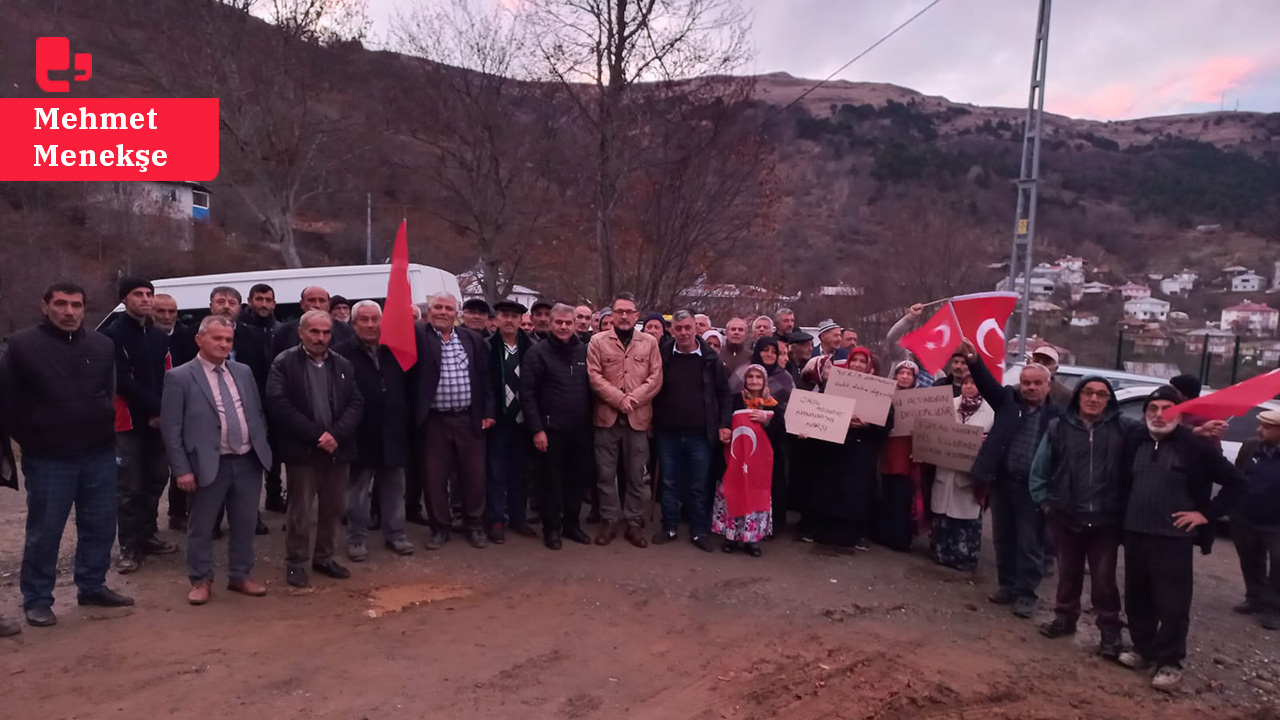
636,537
246,586
199,594
608,532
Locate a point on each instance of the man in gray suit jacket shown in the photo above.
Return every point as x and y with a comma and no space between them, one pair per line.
215,434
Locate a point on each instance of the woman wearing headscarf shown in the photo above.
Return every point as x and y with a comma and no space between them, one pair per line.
766,355
900,510
956,499
714,339
746,531
842,492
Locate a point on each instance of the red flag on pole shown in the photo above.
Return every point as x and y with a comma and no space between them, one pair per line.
397,316
748,475
982,317
1234,401
934,341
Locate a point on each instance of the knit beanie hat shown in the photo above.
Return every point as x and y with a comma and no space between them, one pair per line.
128,284
1164,392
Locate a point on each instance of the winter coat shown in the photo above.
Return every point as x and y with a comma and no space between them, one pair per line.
617,371
1076,472
426,380
555,391
497,350
141,348
1260,503
1009,407
284,335
717,401
954,494
382,438
294,431
58,390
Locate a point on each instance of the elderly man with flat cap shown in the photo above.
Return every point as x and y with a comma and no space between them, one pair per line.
541,314
1255,522
509,440
475,315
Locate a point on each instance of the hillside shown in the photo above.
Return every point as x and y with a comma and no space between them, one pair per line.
873,185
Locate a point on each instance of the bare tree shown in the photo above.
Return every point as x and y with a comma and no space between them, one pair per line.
491,136
599,50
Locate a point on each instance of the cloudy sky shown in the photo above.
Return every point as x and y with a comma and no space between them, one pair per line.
1108,59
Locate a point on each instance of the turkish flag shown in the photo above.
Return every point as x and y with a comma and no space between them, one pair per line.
982,317
934,342
748,475
397,316
1234,401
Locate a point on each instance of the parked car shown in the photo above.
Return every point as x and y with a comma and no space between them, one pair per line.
1069,375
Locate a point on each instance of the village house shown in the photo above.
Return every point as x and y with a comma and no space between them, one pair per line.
1147,308
1180,283
1134,291
1151,342
1043,309
1221,342
1248,282
1250,318
1095,288
1084,319
1263,352
1041,288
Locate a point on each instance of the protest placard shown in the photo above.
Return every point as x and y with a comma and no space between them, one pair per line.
873,393
819,416
911,406
946,444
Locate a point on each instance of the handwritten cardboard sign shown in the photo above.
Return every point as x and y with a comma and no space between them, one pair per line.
819,416
873,393
946,444
911,406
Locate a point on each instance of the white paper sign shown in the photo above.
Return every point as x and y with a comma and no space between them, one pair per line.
950,444
911,406
873,393
819,416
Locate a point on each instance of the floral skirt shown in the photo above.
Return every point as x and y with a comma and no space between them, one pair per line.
956,543
753,527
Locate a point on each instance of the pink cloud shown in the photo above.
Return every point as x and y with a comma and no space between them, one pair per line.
1208,80
1112,100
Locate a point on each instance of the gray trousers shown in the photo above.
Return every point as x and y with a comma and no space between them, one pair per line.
390,485
622,444
321,486
239,486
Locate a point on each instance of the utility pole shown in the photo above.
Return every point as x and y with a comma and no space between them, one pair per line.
1024,229
368,228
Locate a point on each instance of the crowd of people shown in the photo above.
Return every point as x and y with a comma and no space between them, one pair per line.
563,416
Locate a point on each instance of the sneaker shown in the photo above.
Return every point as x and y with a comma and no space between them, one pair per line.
1003,596
128,562
1058,627
662,537
807,539
357,552
1132,660
437,540
477,539
1025,607
1112,644
702,542
1167,678
400,546
862,545
103,596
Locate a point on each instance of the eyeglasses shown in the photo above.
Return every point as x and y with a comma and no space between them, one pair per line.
625,312
1100,394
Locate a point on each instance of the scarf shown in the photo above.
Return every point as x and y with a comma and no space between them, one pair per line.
969,406
764,400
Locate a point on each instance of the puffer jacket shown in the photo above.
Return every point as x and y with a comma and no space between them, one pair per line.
1009,407
1077,468
555,392
1261,502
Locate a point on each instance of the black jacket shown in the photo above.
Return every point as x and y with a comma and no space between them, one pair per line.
1009,407
1077,469
554,388
497,350
58,391
294,432
182,346
427,378
1260,503
1200,464
717,404
251,346
141,348
268,325
383,436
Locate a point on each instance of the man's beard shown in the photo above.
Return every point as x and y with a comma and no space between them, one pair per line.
1160,432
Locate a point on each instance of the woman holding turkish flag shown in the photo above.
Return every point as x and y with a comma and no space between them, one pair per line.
743,512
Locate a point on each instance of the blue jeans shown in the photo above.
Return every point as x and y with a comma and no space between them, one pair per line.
508,474
53,486
683,461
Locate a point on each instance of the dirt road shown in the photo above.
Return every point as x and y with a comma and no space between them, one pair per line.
662,633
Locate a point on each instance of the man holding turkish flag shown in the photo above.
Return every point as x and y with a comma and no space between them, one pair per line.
982,317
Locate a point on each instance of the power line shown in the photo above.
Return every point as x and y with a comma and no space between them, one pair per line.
855,59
